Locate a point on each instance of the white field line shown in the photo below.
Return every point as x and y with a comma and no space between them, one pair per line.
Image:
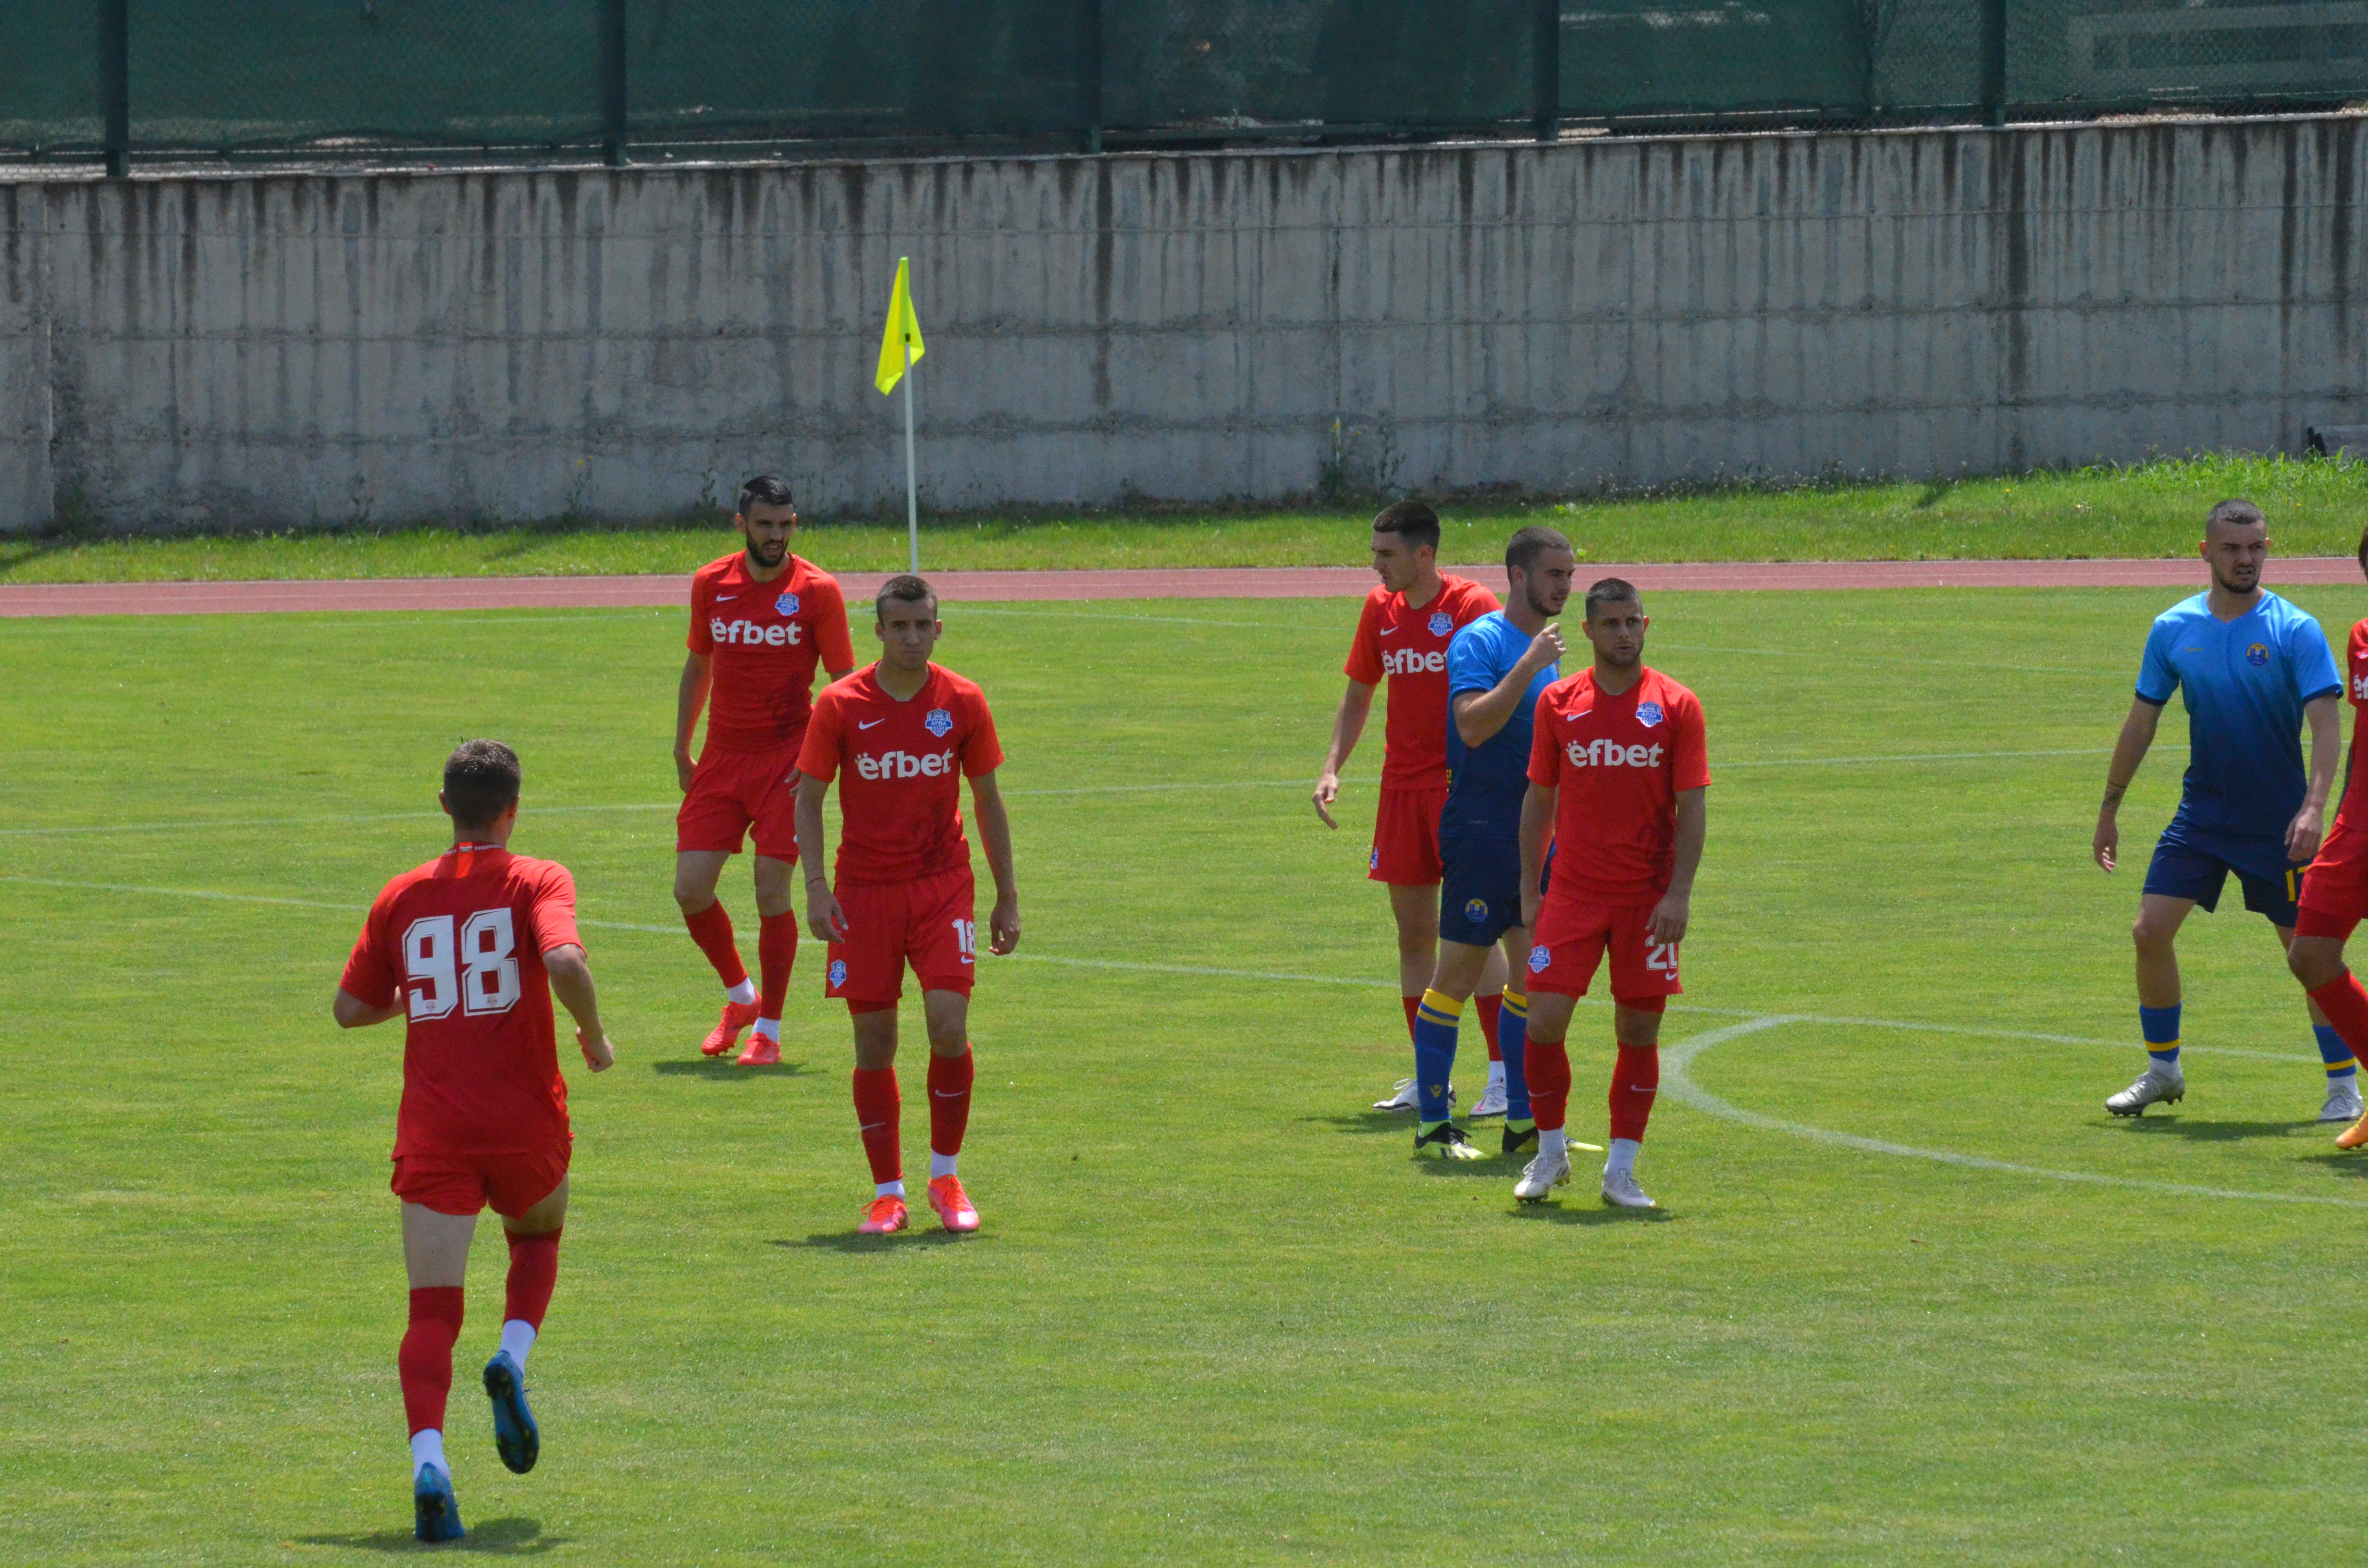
1352,785
1675,1060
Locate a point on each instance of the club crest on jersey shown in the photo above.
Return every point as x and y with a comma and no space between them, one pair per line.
1539,959
937,723
1648,714
837,974
1439,623
787,604
1476,910
2256,655
1374,864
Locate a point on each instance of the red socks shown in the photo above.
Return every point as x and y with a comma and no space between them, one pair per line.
1635,1080
2346,1007
1547,1066
950,1078
877,1108
534,1269
426,1359
1489,1007
1411,1003
711,929
777,950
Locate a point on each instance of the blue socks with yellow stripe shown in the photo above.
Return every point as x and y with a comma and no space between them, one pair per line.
1435,1024
2160,1027
2340,1063
1512,1043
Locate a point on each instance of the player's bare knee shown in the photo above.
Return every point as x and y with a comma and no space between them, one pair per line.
2314,960
2153,936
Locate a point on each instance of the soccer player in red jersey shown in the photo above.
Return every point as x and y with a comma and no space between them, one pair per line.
2335,888
470,949
761,620
900,738
1617,774
1402,637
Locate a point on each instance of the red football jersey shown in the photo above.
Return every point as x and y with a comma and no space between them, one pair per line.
461,939
2354,809
900,802
1409,645
766,639
1618,764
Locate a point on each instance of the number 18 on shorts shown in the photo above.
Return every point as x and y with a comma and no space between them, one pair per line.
929,923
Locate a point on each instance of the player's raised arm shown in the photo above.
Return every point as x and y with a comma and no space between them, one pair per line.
1356,706
1480,714
994,827
823,916
2129,751
571,981
697,671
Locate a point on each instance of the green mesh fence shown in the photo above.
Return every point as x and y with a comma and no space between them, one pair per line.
354,74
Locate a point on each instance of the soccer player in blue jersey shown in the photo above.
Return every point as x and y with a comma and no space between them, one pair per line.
2254,668
1496,667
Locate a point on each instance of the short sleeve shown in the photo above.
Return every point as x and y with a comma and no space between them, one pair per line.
1545,752
1364,665
701,641
981,751
2157,679
370,976
832,638
2358,660
1689,745
553,911
818,756
2312,661
1471,663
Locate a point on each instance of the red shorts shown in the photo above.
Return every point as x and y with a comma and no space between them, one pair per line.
2335,888
926,922
1571,937
731,791
463,1184
1405,837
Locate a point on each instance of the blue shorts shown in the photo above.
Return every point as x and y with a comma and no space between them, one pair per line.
1480,889
2193,865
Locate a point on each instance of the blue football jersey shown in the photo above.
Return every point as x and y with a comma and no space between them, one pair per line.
1485,783
2245,682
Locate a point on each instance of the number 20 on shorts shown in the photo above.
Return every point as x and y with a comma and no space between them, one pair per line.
478,971
1661,958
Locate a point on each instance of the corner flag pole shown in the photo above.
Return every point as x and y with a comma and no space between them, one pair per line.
900,346
912,487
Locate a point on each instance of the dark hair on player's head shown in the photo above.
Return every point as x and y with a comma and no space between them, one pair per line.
765,490
2234,513
1522,552
1613,591
907,589
480,782
1415,524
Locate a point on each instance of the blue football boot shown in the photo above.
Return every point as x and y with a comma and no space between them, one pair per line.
515,1434
437,1513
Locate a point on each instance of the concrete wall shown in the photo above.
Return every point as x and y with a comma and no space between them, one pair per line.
285,349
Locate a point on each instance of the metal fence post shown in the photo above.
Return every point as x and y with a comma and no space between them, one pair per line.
1546,67
612,82
1089,67
1993,60
115,84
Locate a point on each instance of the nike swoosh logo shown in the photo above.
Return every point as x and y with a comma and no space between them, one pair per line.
721,597
866,723
1389,631
944,1096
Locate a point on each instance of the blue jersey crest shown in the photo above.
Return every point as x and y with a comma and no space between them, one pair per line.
787,604
939,722
1440,625
1648,714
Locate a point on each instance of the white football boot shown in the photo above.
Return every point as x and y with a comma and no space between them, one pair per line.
2343,1102
1541,1176
2157,1086
1492,1099
1407,1096
1620,1190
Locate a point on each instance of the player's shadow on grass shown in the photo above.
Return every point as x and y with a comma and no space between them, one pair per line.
858,1242
1579,1211
1365,1122
2201,1132
511,1538
719,1067
2342,1162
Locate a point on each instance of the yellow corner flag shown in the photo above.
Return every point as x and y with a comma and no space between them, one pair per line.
904,328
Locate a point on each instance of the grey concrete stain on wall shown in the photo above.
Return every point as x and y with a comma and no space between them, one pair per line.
292,350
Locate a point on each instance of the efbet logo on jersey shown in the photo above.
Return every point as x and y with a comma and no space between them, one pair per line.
787,604
2256,655
904,765
937,723
749,634
2360,687
1600,753
837,974
1439,623
1539,958
1407,661
1648,714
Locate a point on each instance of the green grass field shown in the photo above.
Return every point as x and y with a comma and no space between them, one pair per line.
1217,1314
2316,508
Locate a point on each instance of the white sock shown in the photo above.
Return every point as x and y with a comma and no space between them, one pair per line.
517,1338
888,1188
426,1448
1553,1141
940,1165
742,993
1621,1157
770,1029
1496,1074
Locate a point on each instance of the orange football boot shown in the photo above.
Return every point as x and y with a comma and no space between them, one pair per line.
952,1204
2354,1135
763,1050
736,1017
885,1215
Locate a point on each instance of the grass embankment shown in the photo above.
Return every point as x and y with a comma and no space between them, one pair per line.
2316,508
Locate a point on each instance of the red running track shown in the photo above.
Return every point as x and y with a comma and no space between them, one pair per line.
1225,583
